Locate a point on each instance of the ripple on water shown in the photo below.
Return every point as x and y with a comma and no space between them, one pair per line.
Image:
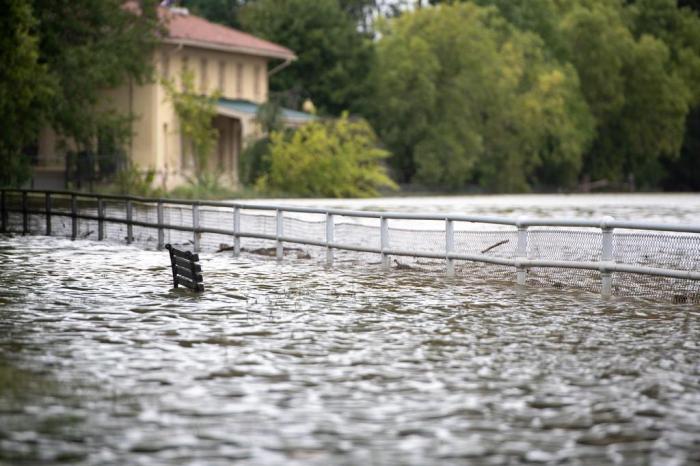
294,363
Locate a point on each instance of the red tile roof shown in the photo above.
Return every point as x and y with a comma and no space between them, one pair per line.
193,30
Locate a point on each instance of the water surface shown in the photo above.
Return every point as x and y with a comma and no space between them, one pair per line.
102,363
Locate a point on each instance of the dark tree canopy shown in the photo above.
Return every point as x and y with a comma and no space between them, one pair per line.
463,97
88,46
333,57
638,65
24,88
505,94
220,11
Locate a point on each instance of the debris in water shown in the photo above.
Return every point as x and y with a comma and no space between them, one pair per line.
269,252
401,266
493,246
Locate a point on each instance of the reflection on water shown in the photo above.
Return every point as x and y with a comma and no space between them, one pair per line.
101,363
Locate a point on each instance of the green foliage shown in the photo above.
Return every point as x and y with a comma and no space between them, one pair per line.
463,97
684,174
195,113
333,57
24,85
254,161
89,46
57,56
206,187
269,116
638,65
222,11
113,136
336,158
134,182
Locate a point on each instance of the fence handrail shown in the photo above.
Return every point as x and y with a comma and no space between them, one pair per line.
510,221
516,258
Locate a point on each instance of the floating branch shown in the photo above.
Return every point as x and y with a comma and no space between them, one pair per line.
493,246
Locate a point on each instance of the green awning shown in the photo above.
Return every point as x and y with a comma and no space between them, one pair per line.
250,108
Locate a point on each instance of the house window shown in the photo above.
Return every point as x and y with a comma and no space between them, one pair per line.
256,82
165,65
222,76
239,79
204,77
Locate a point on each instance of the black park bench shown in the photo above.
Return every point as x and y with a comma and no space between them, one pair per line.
186,271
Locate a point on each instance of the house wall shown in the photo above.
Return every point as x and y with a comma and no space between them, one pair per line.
156,143
236,76
140,101
173,161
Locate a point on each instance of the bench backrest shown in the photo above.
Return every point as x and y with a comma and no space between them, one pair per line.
186,271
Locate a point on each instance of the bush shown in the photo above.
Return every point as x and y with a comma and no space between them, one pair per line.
207,186
254,161
134,182
336,158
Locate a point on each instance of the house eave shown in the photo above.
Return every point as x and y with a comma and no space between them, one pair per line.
226,112
230,49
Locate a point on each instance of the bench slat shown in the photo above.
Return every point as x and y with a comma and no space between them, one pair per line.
187,273
184,254
187,264
189,284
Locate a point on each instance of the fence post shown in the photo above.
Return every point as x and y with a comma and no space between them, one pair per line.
606,256
47,208
100,219
236,231
74,216
521,250
384,241
161,232
450,246
330,238
280,232
129,226
25,215
195,227
3,214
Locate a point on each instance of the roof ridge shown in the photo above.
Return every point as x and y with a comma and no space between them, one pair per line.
193,28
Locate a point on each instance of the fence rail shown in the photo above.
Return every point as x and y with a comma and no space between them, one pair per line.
606,246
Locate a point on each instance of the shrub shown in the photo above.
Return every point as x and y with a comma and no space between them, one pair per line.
335,158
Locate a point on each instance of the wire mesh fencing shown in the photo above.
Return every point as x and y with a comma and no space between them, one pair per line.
658,261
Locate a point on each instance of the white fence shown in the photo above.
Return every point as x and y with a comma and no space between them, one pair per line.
607,256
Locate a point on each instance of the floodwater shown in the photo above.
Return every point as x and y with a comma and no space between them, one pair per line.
670,207
292,363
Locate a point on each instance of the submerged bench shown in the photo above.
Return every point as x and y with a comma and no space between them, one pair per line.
186,271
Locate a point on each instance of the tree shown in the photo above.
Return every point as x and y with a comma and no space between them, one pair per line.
24,85
638,64
334,158
88,46
679,29
220,11
462,97
254,161
333,57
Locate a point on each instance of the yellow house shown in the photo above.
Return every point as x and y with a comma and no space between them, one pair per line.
236,64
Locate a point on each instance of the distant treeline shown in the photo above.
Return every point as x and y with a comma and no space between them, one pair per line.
496,95
505,95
